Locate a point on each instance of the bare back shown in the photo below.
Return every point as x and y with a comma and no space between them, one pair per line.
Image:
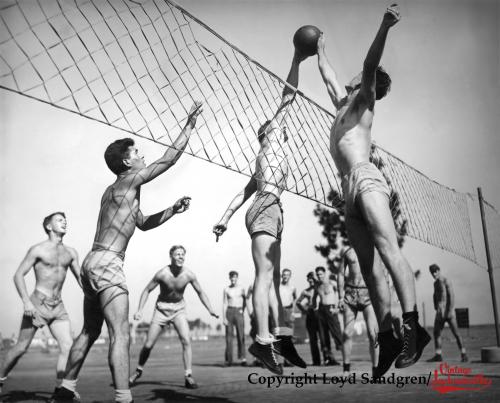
51,266
353,274
271,167
118,214
172,286
350,136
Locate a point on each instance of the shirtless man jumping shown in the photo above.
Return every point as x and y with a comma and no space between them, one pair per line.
50,260
171,308
264,222
103,279
369,222
354,298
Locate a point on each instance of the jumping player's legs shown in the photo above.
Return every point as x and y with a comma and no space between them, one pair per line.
26,334
114,302
61,330
263,251
92,323
374,207
362,242
372,330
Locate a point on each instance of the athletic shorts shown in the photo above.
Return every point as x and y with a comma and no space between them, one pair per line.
48,309
357,298
363,177
101,270
166,312
265,215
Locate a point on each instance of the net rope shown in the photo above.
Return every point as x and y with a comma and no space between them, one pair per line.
139,66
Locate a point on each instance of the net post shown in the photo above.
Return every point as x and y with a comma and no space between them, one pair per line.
490,267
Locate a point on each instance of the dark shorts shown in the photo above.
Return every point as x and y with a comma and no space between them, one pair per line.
364,177
265,215
357,298
101,270
48,309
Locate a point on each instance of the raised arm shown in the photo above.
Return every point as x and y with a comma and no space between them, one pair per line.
173,153
203,297
145,223
25,266
75,267
235,204
329,76
372,60
144,296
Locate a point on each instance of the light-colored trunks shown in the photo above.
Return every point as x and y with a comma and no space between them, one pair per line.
363,177
166,312
265,215
48,309
102,269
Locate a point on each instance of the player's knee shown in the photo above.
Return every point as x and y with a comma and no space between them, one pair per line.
186,342
387,248
372,336
65,346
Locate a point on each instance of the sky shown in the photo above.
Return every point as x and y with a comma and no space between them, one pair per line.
441,117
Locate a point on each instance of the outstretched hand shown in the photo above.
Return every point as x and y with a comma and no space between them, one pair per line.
138,315
196,109
181,205
219,229
392,15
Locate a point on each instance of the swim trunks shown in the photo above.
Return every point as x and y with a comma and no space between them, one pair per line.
166,312
48,309
265,215
357,298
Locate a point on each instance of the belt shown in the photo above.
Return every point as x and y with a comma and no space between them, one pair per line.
234,307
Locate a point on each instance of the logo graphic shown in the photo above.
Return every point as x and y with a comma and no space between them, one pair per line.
455,378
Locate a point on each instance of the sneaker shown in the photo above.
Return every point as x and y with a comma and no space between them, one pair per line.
415,338
265,354
190,383
243,363
390,348
62,394
284,347
133,379
436,358
464,358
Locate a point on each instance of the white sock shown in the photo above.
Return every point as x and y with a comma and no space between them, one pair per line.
463,350
188,372
139,368
264,340
69,384
123,395
282,331
438,351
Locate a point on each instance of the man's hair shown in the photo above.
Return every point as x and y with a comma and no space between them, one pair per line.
320,268
288,270
48,219
115,153
382,83
310,275
434,267
175,247
261,133
233,273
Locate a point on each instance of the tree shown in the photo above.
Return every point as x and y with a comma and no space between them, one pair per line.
333,221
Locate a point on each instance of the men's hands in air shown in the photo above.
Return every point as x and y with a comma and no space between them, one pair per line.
219,229
181,205
392,15
321,43
196,109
